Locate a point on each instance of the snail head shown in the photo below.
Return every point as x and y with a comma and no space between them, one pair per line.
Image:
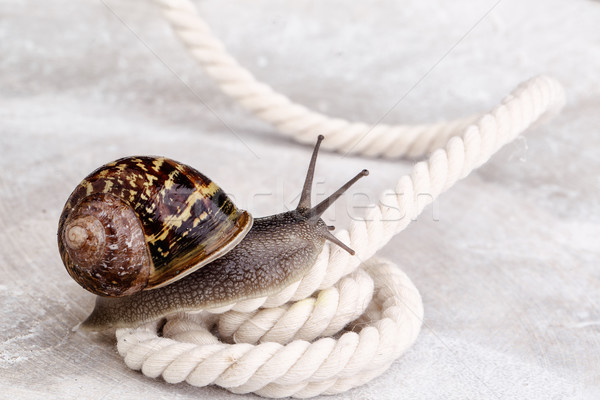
313,214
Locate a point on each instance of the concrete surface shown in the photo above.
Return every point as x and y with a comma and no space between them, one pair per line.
507,261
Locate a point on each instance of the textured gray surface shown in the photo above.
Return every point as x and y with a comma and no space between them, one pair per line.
507,261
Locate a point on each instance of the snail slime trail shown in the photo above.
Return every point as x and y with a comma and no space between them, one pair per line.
152,236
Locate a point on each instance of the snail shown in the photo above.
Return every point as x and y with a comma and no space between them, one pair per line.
151,237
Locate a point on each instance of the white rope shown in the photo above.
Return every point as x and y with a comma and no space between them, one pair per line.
189,352
346,321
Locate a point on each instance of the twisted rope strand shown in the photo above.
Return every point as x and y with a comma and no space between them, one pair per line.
283,345
275,370
306,319
295,120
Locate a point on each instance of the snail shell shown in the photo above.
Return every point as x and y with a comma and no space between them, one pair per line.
143,222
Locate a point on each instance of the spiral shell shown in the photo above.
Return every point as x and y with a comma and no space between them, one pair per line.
142,222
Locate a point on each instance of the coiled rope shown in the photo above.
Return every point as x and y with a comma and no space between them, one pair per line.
347,320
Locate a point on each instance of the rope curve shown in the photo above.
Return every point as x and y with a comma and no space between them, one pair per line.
189,352
292,119
348,318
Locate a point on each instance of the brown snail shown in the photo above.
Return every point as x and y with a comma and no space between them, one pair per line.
152,237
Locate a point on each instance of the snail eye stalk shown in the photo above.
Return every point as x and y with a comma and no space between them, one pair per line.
313,214
304,203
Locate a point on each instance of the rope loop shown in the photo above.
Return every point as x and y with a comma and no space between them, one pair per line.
288,350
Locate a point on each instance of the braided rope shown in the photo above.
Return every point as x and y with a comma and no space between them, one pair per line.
295,120
282,345
189,352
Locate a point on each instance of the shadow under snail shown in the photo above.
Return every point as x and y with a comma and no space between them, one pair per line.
153,237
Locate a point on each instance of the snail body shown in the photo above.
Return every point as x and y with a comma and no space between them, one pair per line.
285,247
232,258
